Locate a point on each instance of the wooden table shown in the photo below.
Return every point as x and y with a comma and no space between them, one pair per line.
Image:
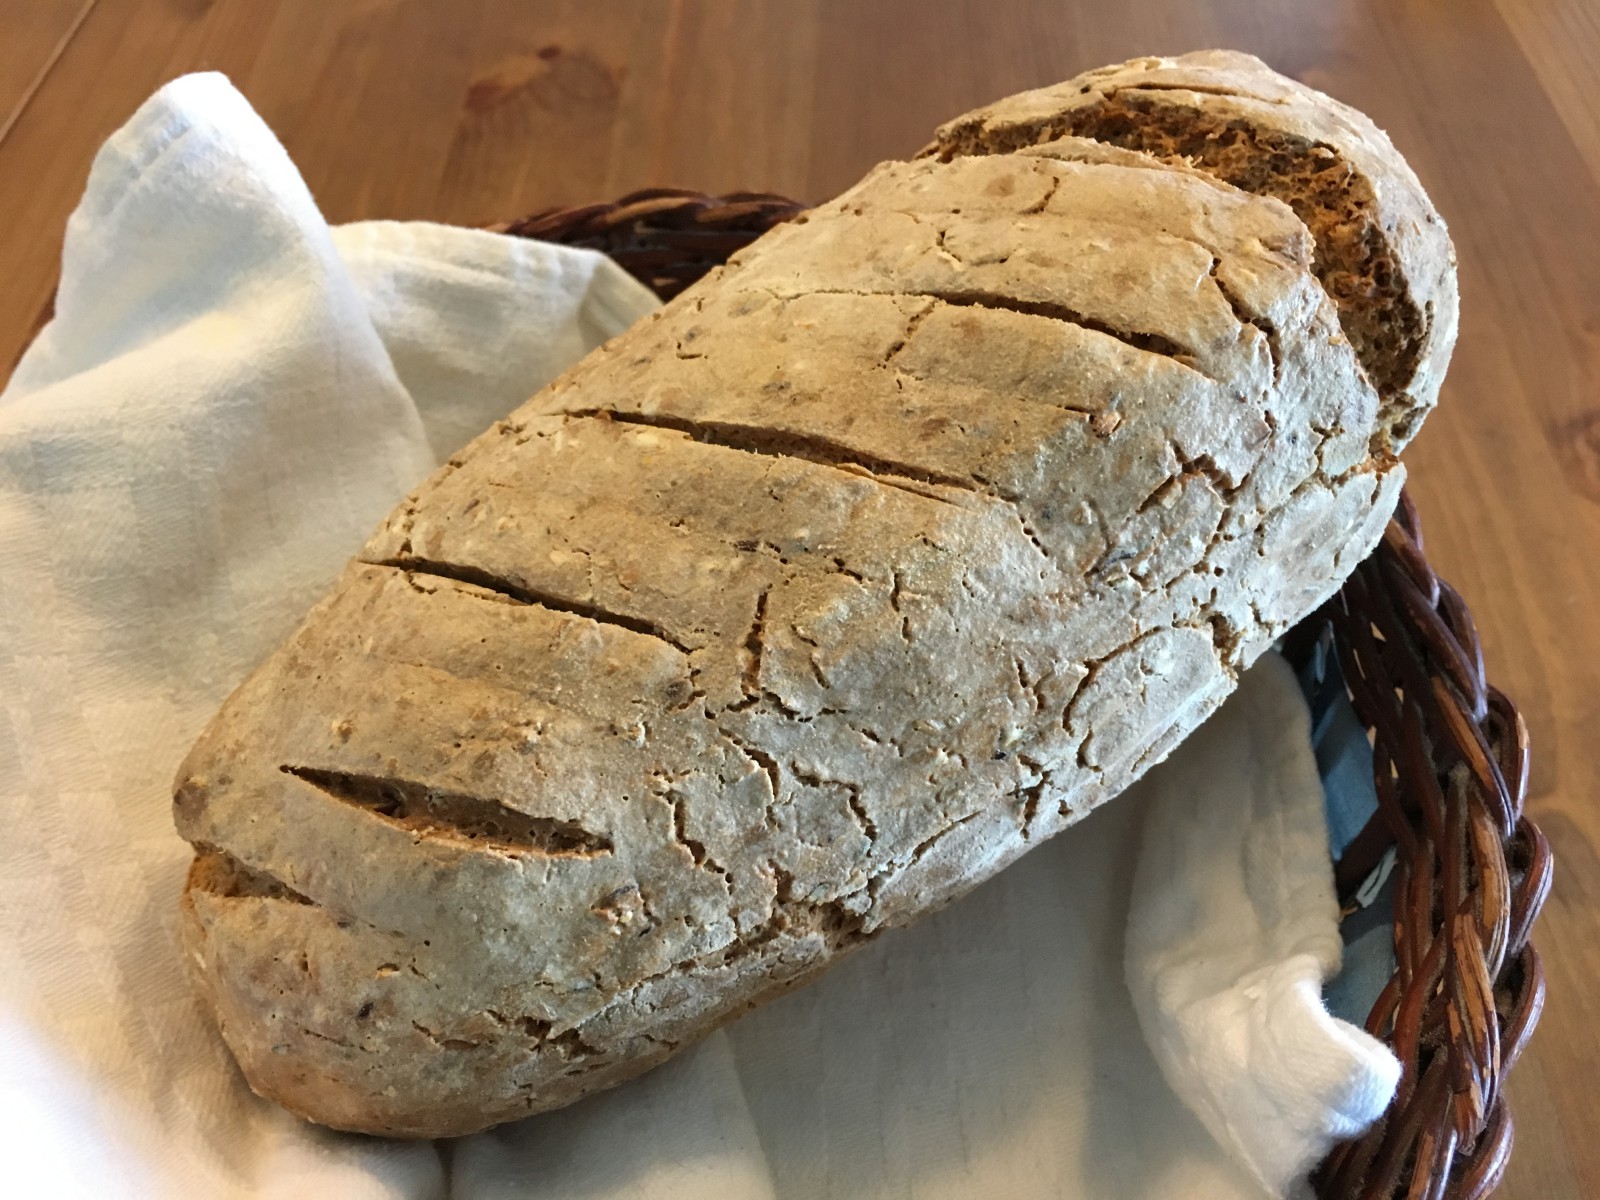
476,110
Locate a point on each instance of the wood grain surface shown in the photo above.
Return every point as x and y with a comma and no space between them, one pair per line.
477,110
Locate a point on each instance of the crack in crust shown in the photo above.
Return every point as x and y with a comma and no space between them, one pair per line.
754,438
1147,342
757,758
693,847
1150,343
220,874
439,815
480,581
1255,320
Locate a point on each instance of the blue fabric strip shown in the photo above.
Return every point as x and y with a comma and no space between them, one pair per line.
1344,760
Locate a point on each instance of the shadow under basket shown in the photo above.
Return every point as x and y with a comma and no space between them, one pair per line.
1450,760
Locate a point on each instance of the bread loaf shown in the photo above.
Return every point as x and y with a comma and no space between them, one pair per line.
889,550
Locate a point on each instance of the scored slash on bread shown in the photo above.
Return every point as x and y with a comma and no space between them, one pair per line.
888,550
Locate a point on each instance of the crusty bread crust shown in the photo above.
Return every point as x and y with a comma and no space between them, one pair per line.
893,548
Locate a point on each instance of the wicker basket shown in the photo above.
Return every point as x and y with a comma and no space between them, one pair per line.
1450,760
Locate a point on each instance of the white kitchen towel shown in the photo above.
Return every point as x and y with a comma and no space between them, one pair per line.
230,396
1232,930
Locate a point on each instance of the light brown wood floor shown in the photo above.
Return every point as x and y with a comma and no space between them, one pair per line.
476,110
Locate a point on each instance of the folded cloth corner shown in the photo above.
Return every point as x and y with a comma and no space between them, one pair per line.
1233,928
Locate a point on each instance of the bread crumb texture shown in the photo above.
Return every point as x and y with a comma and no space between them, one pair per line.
892,548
